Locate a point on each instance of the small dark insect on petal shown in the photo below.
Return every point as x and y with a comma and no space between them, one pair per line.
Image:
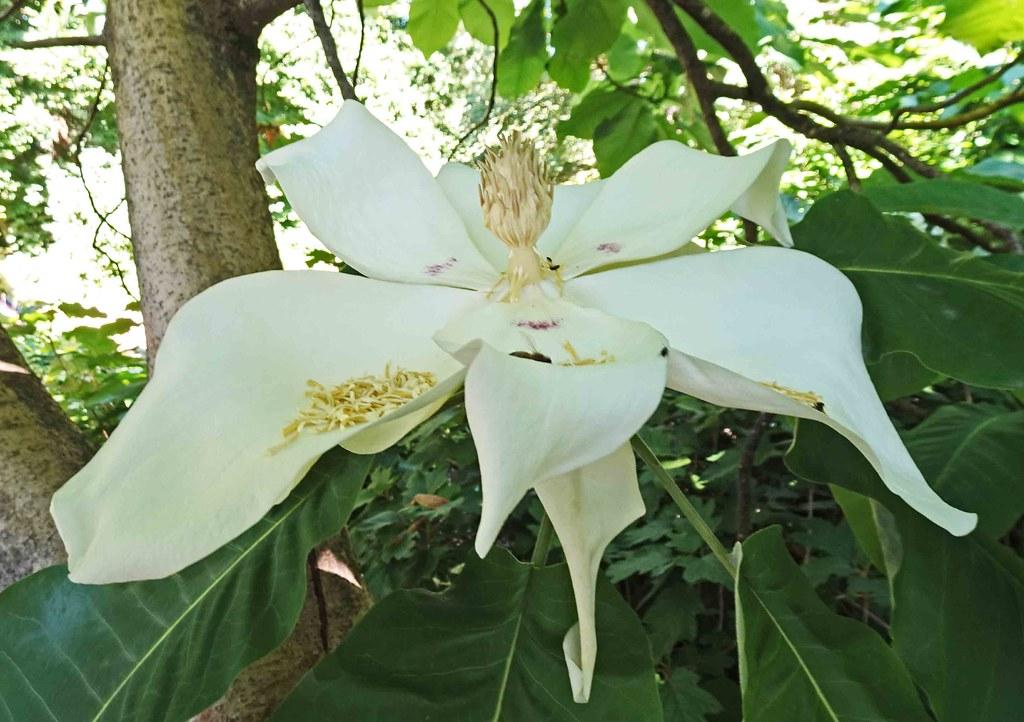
819,406
531,356
664,351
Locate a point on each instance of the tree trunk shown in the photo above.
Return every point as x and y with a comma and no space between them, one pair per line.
184,79
185,83
39,449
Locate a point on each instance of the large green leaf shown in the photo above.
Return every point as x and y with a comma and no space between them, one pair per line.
918,296
973,455
587,28
958,602
488,649
523,59
166,649
432,23
801,661
620,137
478,21
950,197
986,24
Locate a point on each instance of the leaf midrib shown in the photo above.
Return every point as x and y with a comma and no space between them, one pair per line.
796,653
191,607
506,673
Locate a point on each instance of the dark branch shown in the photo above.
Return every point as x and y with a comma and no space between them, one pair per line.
91,116
851,172
745,476
695,72
316,13
70,41
494,81
362,41
251,16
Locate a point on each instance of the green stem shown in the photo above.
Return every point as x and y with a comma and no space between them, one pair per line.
544,536
689,510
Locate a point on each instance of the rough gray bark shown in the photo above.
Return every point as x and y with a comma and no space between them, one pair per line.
185,83
184,79
39,449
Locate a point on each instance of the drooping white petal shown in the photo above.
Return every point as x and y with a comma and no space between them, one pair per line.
367,196
588,508
193,464
668,193
757,319
536,419
460,183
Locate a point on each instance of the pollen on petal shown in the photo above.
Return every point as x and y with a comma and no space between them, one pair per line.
807,398
356,401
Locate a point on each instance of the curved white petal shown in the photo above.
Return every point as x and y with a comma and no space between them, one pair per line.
757,316
367,196
191,466
588,508
533,420
460,184
668,193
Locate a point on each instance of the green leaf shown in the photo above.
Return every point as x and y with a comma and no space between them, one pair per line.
683,700
588,27
899,374
917,295
522,62
985,24
77,310
620,137
801,661
672,617
949,197
958,602
479,24
166,649
958,606
972,455
490,648
432,23
860,515
594,108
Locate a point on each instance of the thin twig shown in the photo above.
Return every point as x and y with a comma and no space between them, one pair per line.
94,108
494,81
362,40
851,172
323,31
69,41
745,476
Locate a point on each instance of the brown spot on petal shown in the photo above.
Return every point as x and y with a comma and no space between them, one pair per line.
609,248
436,269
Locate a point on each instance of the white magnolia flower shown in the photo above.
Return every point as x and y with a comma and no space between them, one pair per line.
564,333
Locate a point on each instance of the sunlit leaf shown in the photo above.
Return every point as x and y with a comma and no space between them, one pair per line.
432,23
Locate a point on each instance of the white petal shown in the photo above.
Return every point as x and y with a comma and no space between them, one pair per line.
367,196
190,467
588,508
770,315
668,193
460,184
533,420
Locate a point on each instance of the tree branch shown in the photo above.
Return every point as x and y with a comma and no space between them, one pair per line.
362,41
251,16
494,81
70,41
316,14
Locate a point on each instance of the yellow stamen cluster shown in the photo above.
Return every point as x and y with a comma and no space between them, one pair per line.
807,398
516,194
356,401
577,360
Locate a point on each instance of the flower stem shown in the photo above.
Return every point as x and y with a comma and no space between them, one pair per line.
543,544
689,510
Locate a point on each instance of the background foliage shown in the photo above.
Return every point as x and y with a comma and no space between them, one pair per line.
928,229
